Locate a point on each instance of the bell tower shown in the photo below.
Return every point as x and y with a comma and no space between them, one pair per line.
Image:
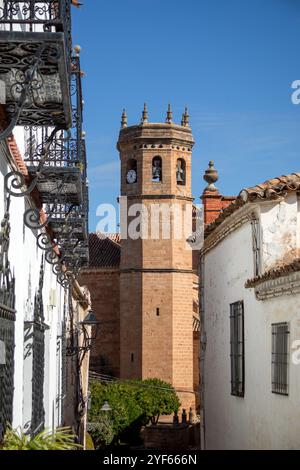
156,276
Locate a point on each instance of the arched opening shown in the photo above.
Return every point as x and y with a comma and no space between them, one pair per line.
131,171
157,169
180,172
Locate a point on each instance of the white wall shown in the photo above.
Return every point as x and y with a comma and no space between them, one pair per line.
260,420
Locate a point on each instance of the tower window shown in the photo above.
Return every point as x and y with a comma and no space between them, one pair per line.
132,357
156,170
132,164
180,171
157,312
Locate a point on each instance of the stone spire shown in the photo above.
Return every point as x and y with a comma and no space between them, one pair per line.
211,176
185,121
144,114
124,119
169,115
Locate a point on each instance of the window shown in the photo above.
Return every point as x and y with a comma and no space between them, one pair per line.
237,349
280,354
156,170
131,164
180,171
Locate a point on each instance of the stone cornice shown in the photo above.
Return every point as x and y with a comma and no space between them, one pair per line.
243,215
285,285
155,132
99,269
161,196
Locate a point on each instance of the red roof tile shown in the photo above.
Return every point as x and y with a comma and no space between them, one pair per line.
104,250
275,273
269,190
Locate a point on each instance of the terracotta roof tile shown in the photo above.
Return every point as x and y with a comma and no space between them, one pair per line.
274,273
16,154
272,189
104,250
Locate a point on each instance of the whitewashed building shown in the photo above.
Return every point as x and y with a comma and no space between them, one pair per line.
250,321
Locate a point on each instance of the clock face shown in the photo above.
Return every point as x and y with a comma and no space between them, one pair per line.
131,176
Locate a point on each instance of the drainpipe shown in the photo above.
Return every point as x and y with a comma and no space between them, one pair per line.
202,354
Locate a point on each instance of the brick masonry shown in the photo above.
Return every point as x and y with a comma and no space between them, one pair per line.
104,288
156,304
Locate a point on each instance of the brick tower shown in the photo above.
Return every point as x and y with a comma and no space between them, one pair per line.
156,276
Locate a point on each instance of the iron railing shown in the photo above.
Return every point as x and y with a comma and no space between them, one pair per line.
56,164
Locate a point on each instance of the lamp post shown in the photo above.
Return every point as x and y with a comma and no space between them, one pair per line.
89,321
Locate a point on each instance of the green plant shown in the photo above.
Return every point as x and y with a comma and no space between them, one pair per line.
133,404
61,439
89,444
158,398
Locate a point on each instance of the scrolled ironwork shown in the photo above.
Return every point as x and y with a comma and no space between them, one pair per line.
15,182
23,86
44,241
32,219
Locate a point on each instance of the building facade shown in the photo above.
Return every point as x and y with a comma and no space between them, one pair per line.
43,209
250,304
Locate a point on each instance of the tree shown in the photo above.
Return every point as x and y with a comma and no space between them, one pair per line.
158,398
133,405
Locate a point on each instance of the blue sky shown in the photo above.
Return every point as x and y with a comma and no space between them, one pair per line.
231,62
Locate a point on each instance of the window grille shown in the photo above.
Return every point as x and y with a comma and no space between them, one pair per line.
237,349
280,356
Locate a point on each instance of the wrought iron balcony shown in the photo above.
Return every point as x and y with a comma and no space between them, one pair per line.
58,185
55,160
35,62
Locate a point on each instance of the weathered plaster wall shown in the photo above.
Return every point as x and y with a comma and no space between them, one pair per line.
280,231
260,420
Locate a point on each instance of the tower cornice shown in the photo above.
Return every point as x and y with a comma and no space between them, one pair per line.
163,133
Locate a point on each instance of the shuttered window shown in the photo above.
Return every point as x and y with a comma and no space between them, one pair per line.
237,349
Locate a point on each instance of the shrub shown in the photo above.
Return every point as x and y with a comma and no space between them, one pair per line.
158,398
61,439
102,432
133,404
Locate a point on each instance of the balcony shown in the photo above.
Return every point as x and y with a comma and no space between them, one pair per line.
59,171
35,62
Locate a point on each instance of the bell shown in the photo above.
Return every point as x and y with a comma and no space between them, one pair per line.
179,177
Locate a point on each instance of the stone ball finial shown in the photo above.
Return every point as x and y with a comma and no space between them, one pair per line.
77,50
211,176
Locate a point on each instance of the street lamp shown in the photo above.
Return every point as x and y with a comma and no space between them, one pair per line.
89,321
